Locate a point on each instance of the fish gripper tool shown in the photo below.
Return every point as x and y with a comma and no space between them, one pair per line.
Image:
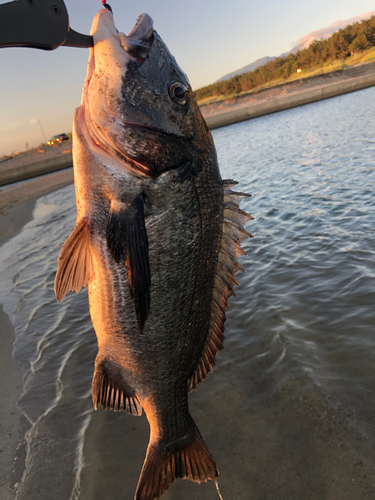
38,24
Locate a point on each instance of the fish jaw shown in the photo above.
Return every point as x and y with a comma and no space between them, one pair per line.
109,59
129,110
101,96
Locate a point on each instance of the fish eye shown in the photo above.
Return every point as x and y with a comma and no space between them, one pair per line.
178,92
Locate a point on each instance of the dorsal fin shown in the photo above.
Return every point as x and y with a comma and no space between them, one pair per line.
111,391
75,262
232,235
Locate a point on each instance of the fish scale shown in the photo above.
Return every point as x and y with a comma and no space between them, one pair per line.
157,240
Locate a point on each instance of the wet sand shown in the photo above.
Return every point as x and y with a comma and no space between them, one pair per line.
299,445
16,210
12,195
12,219
11,373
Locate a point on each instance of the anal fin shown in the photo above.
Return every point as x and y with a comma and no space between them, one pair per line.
75,268
111,391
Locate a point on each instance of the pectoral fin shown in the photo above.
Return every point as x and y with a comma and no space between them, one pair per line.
127,240
74,262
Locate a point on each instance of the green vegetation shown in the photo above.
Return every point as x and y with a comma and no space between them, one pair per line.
351,45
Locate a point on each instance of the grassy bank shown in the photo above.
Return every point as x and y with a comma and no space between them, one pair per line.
355,40
359,58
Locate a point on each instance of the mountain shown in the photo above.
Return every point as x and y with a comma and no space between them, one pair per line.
302,43
248,67
324,33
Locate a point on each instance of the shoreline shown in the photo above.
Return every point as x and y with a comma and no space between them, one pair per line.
16,210
35,162
12,370
281,96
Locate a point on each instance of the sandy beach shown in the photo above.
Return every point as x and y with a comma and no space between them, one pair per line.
11,373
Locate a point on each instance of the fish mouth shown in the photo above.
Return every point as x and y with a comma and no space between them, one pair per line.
138,144
109,59
139,41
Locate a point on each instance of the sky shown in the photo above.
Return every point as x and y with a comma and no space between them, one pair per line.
39,90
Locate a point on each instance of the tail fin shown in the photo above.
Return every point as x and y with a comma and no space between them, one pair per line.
161,469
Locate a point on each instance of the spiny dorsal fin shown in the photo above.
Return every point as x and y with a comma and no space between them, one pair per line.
75,268
111,391
232,235
127,241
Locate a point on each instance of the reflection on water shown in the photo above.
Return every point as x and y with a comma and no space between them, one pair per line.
288,411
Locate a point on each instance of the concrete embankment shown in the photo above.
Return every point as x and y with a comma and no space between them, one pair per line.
42,167
35,187
290,101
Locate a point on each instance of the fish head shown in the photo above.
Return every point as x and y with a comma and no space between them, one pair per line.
138,103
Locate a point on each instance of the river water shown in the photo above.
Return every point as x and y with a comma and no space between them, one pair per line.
289,411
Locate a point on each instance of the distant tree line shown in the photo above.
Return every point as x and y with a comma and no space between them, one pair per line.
354,38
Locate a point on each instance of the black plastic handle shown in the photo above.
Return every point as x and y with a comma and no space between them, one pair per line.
39,24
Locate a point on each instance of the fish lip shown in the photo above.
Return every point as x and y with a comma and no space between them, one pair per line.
143,27
139,41
109,148
156,130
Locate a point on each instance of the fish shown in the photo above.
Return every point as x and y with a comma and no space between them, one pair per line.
157,241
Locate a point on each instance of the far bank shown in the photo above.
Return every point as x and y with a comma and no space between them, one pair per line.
289,95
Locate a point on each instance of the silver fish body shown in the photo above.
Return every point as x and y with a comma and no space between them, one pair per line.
156,240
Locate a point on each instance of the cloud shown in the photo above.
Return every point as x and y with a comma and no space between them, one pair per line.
11,126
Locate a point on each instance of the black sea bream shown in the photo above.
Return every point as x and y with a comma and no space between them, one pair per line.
156,240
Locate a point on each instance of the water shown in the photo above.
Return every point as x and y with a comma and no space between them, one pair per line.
288,412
